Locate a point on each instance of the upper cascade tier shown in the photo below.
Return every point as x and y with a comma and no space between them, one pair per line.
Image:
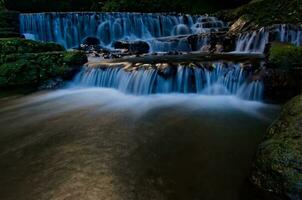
255,41
70,29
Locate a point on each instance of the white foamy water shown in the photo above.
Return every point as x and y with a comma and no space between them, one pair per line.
43,105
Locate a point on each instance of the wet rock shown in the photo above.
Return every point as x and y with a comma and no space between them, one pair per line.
238,25
91,41
205,48
166,70
52,84
133,47
278,164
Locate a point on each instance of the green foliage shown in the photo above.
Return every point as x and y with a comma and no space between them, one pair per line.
18,45
10,24
188,6
34,69
26,62
267,12
74,58
285,56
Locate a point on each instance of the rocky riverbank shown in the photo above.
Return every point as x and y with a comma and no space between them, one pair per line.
278,165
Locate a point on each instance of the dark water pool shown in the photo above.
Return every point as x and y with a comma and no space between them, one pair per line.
101,144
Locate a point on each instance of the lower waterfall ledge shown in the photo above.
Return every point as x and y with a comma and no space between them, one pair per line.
216,78
184,58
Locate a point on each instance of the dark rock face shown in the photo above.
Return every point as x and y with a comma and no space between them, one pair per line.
278,165
135,47
280,85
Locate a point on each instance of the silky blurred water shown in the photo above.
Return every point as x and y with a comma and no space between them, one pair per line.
102,144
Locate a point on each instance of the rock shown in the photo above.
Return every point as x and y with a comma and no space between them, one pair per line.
55,83
283,71
238,25
278,164
91,41
166,70
205,48
133,47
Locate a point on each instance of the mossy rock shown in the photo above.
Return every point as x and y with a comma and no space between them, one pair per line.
27,62
283,77
18,45
278,165
285,56
36,68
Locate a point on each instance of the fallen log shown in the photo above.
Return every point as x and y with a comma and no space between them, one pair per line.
184,58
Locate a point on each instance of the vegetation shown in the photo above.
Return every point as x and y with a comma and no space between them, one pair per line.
278,165
18,45
25,62
9,22
189,6
285,56
267,12
283,78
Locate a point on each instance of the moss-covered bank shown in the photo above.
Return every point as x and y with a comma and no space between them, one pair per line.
278,165
266,12
25,62
283,73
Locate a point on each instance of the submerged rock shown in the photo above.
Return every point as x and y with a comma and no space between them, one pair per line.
278,165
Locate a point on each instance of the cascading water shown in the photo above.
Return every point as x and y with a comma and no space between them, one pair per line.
256,41
223,79
69,29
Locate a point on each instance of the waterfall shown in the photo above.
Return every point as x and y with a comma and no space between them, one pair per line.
218,79
256,41
69,29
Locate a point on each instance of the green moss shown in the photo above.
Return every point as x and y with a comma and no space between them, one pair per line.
285,56
278,163
26,62
18,45
74,58
267,12
35,68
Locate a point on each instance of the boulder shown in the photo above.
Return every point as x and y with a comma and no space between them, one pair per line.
91,41
278,165
133,47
